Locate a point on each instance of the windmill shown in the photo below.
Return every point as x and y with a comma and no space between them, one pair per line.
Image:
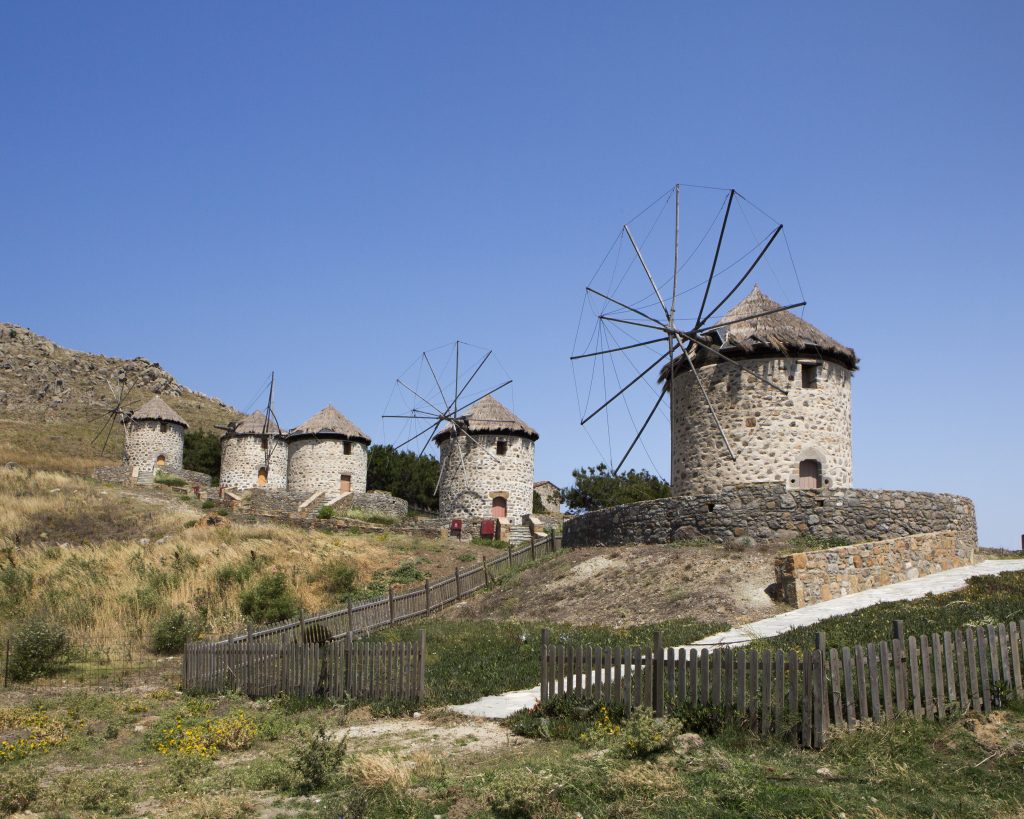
440,394
253,440
116,413
651,326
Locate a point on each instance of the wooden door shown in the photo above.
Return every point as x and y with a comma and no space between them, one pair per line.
261,476
499,508
345,484
810,474
160,460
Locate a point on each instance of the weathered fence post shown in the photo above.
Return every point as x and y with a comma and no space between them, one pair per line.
248,660
899,631
349,687
302,626
483,563
458,584
533,547
184,664
544,693
821,712
351,625
510,557
391,603
426,592
422,671
657,671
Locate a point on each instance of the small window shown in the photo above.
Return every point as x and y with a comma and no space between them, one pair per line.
502,447
263,442
347,447
163,426
809,376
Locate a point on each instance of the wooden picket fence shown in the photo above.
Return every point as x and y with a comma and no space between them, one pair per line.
340,668
800,694
391,608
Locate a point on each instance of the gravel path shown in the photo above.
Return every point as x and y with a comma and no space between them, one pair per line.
500,706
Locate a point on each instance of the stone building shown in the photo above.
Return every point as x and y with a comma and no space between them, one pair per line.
801,439
254,453
550,497
154,437
327,452
487,467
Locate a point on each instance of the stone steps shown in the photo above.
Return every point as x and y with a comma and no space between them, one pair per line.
145,478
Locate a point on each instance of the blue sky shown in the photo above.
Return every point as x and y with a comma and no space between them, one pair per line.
326,189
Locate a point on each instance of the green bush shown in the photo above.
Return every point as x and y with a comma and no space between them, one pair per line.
270,599
172,631
209,503
18,789
38,649
202,453
325,512
316,762
538,503
522,793
337,577
169,480
644,735
241,571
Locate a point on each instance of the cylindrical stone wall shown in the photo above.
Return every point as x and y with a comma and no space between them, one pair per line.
243,456
146,440
470,483
770,433
319,463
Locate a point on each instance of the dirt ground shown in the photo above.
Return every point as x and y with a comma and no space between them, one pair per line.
631,585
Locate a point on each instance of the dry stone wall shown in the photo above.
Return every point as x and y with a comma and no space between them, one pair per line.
770,433
811,577
767,514
146,440
319,463
377,502
473,474
242,457
123,474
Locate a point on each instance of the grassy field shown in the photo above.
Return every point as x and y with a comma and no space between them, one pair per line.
153,752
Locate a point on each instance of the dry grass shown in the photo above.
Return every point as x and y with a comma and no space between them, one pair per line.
108,563
377,772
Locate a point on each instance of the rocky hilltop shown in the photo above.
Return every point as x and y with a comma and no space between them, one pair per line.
52,398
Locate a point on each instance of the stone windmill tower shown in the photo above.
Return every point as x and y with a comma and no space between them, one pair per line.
779,393
254,453
154,436
327,452
487,464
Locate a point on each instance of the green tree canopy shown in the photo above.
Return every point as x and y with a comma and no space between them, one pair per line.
404,474
596,487
202,453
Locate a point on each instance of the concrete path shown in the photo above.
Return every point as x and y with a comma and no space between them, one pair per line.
500,706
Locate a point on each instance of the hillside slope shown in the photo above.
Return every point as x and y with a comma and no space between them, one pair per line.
52,400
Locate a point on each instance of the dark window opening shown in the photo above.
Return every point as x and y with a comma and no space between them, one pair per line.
810,474
502,447
711,507
163,426
263,443
809,376
347,447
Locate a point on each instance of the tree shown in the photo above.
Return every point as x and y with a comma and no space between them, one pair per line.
404,474
597,488
202,453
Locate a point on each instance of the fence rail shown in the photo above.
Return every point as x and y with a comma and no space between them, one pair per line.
392,608
339,668
800,694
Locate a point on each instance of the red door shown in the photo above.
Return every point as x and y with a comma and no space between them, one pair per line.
345,484
499,508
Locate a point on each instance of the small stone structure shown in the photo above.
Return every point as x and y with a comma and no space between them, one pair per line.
254,453
487,464
550,498
810,577
154,437
327,452
767,514
801,439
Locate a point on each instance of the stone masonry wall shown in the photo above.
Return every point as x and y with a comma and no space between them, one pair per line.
123,474
469,483
810,577
319,463
770,433
765,514
242,457
144,442
377,501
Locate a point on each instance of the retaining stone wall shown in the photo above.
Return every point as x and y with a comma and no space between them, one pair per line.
376,501
765,514
123,474
810,577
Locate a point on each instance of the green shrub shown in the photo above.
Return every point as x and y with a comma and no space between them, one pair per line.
644,735
316,762
538,503
705,720
172,631
38,649
337,577
18,789
466,557
522,793
270,599
209,503
169,480
202,453
325,512
241,571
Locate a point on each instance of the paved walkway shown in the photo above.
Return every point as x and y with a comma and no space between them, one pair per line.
500,706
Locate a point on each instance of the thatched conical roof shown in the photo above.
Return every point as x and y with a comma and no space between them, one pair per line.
780,334
329,423
253,424
156,409
489,415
